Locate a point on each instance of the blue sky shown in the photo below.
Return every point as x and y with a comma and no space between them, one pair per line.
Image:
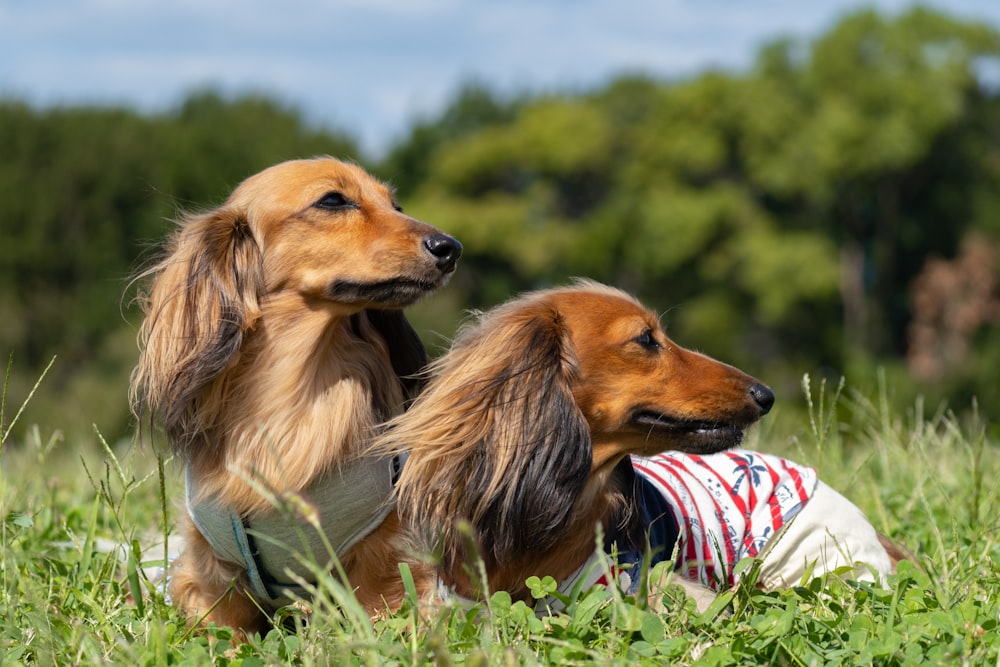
371,67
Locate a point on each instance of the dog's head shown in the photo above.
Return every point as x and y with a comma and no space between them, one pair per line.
331,232
638,391
321,234
538,401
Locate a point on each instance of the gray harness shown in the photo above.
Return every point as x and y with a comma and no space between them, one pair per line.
275,545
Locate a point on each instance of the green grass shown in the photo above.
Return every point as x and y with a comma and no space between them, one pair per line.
927,480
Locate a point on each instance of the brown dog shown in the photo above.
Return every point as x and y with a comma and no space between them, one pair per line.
273,344
547,420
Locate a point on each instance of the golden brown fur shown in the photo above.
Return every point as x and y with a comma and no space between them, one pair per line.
524,422
273,344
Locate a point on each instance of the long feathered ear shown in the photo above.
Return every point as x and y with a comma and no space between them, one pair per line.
203,298
406,350
496,439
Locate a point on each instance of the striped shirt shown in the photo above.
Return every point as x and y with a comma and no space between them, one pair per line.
725,506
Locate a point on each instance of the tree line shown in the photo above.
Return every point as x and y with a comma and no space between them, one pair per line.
833,209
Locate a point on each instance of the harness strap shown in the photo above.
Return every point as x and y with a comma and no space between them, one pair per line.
251,559
350,503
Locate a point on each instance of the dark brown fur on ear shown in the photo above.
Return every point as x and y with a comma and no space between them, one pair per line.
203,299
500,444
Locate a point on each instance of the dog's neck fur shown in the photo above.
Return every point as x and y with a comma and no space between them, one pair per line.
310,375
607,501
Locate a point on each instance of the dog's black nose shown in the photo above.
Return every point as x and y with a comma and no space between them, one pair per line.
446,249
763,396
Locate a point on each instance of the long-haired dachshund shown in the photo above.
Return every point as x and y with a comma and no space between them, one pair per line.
548,419
273,344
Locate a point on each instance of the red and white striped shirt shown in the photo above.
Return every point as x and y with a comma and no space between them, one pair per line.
726,505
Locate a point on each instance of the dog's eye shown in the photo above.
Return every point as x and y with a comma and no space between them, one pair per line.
334,201
648,340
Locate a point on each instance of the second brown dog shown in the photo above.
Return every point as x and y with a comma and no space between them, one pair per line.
545,425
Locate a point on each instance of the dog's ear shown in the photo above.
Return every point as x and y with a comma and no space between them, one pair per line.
406,350
497,440
538,455
203,299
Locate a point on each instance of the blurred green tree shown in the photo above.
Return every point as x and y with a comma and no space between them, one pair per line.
781,215
851,138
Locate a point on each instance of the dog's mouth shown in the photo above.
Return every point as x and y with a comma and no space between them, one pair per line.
396,292
690,435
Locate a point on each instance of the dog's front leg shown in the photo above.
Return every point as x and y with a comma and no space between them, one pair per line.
209,590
